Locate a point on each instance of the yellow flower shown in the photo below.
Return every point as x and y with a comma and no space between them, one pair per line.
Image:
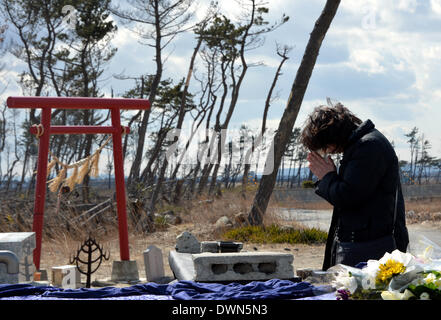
388,270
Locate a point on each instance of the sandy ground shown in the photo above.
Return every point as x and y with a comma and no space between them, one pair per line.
58,253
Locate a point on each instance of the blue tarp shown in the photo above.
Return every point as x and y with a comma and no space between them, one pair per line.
180,290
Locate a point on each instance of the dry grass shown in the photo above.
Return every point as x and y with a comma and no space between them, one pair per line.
419,211
198,217
427,205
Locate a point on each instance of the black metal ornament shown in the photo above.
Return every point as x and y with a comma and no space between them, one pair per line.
88,248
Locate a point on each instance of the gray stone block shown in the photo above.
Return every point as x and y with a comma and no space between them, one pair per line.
22,244
209,246
154,266
10,259
240,266
67,277
182,265
126,270
221,246
187,243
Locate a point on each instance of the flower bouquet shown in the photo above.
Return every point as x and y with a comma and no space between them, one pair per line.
396,276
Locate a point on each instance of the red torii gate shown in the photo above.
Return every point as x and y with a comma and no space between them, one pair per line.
43,132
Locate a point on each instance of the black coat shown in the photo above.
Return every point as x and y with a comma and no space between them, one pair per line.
363,193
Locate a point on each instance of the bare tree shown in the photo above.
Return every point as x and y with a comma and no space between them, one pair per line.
158,22
3,46
232,41
36,24
286,124
283,53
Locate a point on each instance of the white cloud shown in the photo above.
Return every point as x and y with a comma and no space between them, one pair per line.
178,65
366,60
407,5
124,37
263,59
436,6
399,42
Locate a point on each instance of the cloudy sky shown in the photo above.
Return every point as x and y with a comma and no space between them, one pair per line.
382,59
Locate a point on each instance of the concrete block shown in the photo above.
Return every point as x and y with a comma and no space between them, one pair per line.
22,244
67,277
229,246
236,266
182,265
209,246
154,266
10,259
221,246
187,243
126,270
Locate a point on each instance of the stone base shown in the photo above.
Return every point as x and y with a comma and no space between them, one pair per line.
43,275
67,277
125,271
22,245
240,266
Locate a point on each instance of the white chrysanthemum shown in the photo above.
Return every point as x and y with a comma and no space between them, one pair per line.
430,278
405,258
346,282
368,282
396,295
371,268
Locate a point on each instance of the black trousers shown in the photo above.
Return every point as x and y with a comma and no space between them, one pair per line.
352,253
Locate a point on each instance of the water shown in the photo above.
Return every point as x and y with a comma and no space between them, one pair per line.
321,219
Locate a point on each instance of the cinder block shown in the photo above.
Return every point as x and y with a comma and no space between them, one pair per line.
67,277
235,266
22,244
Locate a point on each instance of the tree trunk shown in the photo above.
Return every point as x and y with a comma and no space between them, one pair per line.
156,191
213,179
136,165
286,124
310,175
180,119
299,173
23,172
193,180
204,178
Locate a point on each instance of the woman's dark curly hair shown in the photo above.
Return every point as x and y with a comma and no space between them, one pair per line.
327,126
